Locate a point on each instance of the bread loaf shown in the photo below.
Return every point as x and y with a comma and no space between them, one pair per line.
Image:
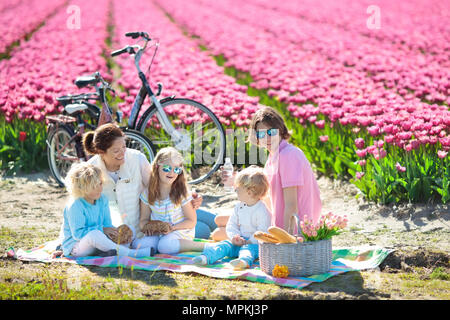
156,227
281,235
125,235
265,237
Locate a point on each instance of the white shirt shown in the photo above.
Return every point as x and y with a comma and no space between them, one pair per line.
123,195
246,220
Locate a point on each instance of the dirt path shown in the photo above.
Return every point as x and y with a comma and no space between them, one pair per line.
33,204
40,202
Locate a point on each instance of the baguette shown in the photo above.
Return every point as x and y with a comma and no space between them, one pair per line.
265,237
281,235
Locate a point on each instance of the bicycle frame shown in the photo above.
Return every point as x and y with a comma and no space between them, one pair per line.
76,137
145,91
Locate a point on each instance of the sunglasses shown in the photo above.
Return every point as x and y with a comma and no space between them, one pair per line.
176,170
260,134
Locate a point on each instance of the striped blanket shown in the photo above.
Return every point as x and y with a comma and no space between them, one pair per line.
344,260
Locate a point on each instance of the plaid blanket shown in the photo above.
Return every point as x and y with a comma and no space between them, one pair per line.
344,260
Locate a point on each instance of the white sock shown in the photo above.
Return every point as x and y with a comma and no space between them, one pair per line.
200,260
143,252
135,253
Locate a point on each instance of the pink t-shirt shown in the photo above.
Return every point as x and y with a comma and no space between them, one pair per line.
288,168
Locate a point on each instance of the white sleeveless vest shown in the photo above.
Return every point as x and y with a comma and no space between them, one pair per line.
125,193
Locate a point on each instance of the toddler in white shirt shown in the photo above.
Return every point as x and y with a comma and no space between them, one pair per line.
250,215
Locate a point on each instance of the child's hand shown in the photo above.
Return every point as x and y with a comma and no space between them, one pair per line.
111,233
197,200
169,228
237,240
156,227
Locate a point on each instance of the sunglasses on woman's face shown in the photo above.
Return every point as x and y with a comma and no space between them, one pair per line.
176,170
260,134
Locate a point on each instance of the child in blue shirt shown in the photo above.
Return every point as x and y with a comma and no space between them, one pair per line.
87,225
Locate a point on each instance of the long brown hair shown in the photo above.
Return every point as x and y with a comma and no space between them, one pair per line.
270,117
179,189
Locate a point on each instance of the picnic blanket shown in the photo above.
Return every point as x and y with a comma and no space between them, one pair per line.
344,260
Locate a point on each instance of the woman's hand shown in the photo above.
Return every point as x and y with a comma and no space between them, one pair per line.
226,177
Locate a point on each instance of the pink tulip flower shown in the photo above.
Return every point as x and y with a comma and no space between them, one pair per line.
359,142
442,154
399,167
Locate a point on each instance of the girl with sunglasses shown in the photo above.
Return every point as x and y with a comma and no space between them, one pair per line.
293,186
167,199
126,173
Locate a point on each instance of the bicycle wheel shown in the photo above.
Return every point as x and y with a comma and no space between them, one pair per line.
61,152
136,140
202,135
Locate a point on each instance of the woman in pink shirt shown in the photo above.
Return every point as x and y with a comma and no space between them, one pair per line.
293,186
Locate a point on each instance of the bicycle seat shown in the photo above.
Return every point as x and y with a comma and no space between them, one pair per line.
75,107
84,81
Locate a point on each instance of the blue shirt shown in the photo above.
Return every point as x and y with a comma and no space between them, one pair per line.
81,217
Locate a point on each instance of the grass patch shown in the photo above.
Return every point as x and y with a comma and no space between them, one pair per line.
25,237
439,273
23,280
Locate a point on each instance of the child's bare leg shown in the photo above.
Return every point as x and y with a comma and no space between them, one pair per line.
190,245
219,234
221,220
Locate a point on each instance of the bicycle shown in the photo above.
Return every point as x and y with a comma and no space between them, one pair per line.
65,131
185,124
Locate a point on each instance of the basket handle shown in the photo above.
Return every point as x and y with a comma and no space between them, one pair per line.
293,223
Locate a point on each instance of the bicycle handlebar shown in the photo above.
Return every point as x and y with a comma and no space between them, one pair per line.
127,49
137,51
135,35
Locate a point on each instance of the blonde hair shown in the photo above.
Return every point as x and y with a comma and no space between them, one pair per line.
82,178
179,190
253,180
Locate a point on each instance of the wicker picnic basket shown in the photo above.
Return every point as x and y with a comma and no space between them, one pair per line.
302,259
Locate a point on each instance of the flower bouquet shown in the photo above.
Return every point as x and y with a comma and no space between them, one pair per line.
328,225
310,254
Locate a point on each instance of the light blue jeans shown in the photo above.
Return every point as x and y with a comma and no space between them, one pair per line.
216,251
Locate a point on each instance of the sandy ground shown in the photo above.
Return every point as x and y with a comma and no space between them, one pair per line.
34,200
32,205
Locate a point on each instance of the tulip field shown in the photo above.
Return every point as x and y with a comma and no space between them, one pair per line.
366,101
